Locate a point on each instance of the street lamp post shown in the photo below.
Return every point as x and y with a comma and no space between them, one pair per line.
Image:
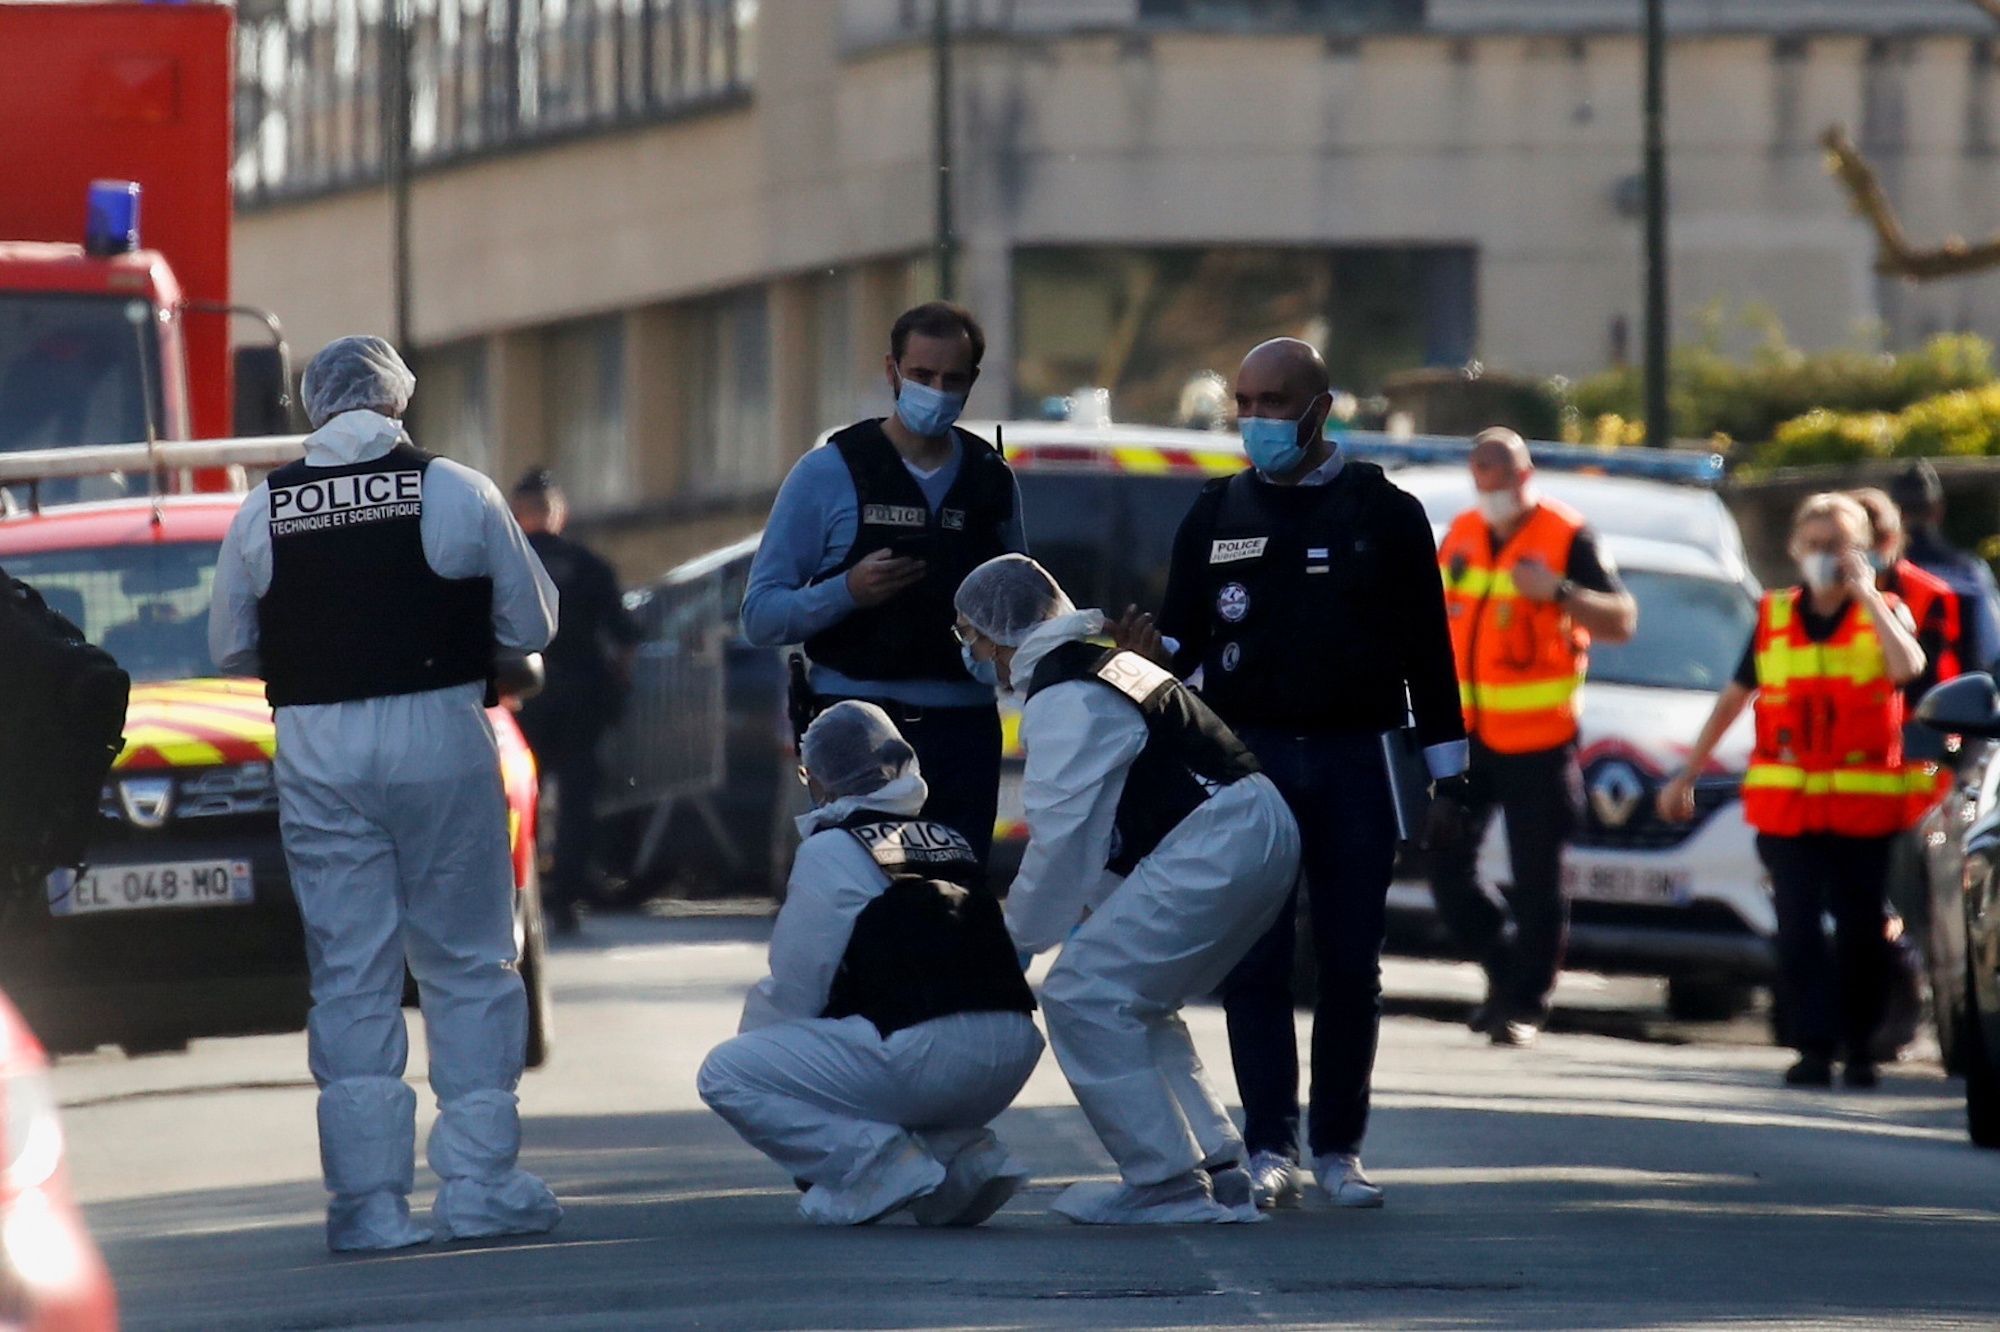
945,243
1659,429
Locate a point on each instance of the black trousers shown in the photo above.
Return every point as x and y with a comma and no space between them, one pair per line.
565,744
1835,999
1338,790
959,752
1540,793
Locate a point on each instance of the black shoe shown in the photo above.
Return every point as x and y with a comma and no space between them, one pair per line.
1859,1075
1810,1071
1514,1033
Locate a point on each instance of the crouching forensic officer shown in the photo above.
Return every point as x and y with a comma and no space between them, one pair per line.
370,584
1526,588
895,1023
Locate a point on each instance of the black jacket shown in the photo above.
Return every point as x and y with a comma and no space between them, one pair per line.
1317,608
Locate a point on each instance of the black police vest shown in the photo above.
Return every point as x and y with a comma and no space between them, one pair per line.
909,636
354,609
1299,591
1189,753
925,948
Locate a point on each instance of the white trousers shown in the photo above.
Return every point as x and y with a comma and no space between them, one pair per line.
1171,932
395,829
869,1121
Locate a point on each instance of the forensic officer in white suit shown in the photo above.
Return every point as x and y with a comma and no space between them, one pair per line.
1157,854
895,1023
371,585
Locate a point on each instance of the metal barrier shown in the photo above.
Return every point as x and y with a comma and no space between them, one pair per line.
670,743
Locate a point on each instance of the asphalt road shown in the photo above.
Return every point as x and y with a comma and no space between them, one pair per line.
1628,1172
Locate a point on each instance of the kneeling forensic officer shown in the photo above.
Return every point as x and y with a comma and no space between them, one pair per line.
1157,854
894,1024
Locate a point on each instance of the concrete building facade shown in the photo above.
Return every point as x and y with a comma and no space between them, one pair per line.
669,308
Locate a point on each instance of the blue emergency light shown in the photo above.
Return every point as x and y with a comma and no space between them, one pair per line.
112,224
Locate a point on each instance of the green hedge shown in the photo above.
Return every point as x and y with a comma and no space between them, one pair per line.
1964,424
1712,395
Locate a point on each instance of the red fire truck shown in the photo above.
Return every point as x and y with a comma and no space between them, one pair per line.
115,210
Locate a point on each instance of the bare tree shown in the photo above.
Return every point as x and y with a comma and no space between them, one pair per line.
1894,255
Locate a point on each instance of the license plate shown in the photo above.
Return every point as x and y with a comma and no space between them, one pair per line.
1627,883
188,883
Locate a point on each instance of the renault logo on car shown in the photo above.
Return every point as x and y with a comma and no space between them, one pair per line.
148,802
1615,792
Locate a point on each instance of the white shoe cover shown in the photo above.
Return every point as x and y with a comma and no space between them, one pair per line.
1179,1201
372,1222
515,1204
473,1147
909,1174
977,1183
1232,1188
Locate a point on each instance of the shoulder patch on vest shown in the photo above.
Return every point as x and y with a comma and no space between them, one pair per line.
1242,548
912,843
1133,676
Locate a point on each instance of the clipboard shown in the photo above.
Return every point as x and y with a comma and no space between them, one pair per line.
1409,781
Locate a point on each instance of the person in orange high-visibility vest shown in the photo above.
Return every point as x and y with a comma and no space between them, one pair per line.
1934,610
1526,588
1825,788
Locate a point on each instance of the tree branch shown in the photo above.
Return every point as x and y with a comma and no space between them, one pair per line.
1894,255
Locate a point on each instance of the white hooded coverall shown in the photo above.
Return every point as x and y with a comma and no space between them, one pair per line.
1168,932
395,829
870,1122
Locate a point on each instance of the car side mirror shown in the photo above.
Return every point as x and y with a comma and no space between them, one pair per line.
263,402
519,676
1966,705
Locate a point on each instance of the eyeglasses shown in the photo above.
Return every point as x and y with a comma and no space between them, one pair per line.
965,634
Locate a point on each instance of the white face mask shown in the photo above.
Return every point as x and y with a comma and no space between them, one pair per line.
1499,507
1821,570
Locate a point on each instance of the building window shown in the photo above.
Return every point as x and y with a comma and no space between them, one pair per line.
732,448
1286,13
583,382
1146,323
837,397
450,414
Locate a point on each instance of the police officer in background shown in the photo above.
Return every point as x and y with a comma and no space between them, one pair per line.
1306,590
1919,494
370,584
1527,588
589,666
868,540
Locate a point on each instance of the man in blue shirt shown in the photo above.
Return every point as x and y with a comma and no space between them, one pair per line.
868,541
1919,493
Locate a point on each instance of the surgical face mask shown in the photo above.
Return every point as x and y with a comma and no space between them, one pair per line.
926,411
1880,562
1499,507
1821,570
1273,443
986,672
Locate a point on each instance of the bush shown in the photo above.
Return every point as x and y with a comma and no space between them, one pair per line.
1712,394
1961,424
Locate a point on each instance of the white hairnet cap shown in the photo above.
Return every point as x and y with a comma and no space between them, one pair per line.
353,373
1007,597
854,749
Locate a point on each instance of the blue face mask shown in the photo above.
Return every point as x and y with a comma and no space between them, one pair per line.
985,672
1273,444
927,411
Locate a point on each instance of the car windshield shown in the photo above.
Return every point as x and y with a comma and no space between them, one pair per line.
145,605
1107,538
1691,633
70,373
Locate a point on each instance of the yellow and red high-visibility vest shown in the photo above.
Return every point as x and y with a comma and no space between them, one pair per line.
1829,754
1520,663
